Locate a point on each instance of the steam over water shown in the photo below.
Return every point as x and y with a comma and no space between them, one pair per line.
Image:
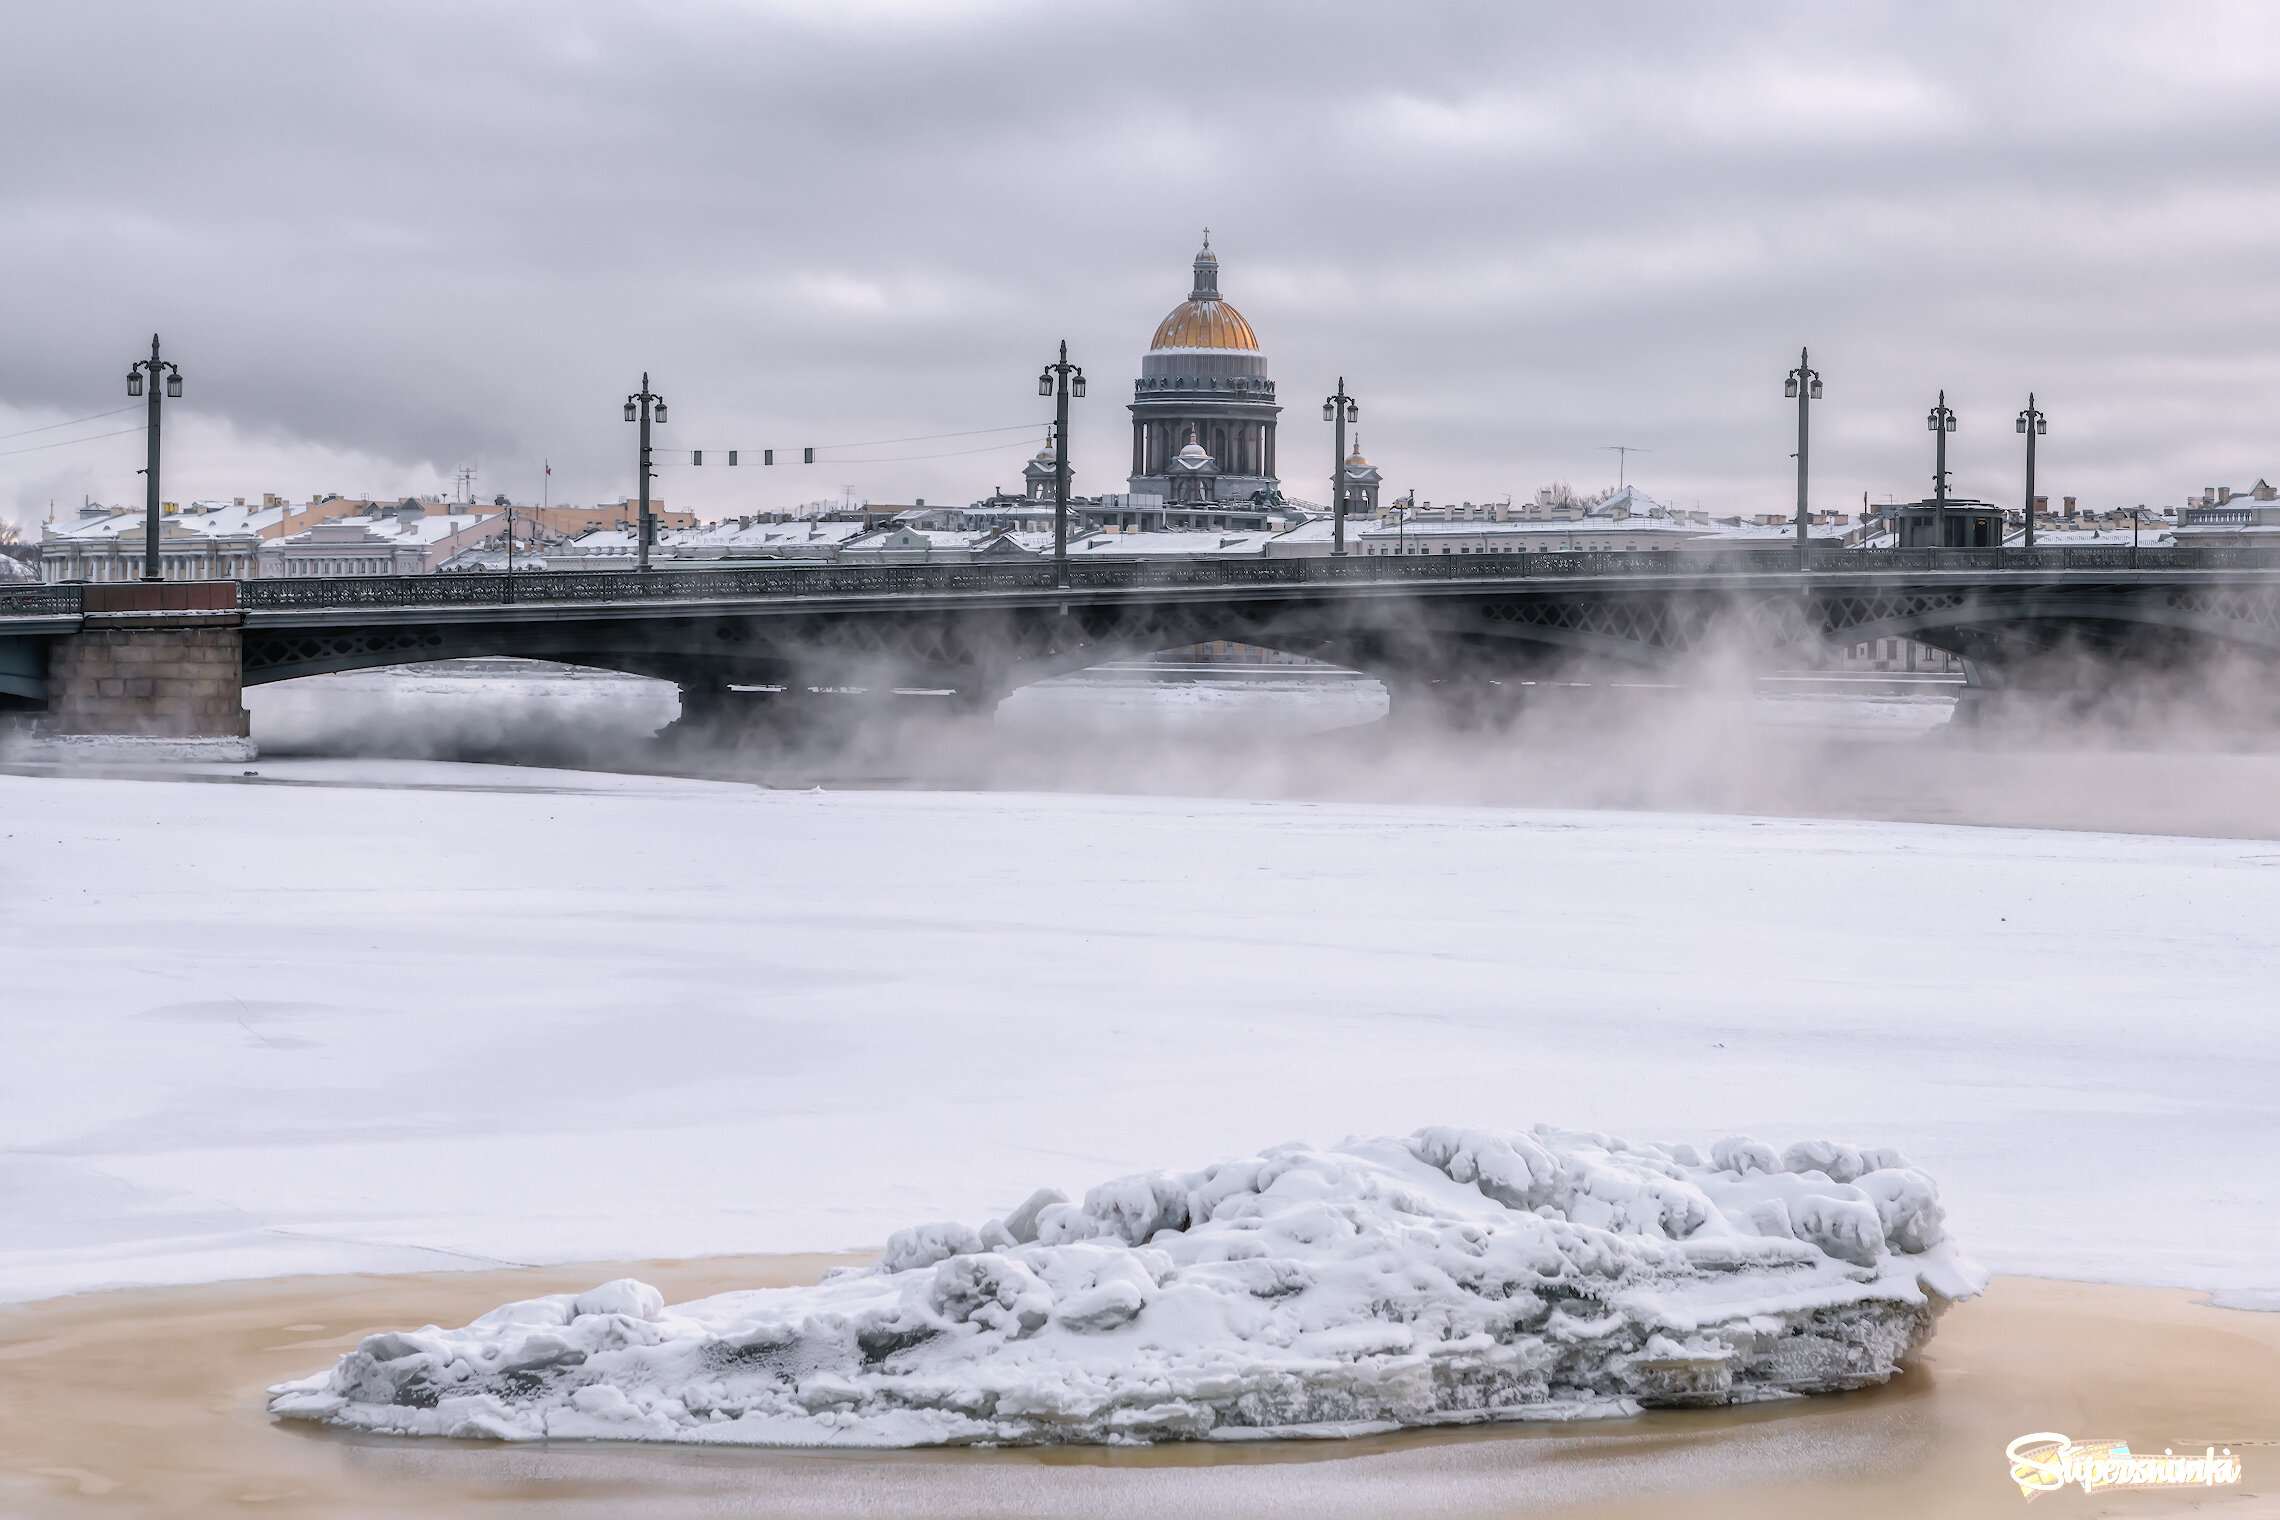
2200,761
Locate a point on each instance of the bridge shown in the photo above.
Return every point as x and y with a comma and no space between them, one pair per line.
775,643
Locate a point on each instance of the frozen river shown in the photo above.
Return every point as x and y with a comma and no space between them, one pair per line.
387,1016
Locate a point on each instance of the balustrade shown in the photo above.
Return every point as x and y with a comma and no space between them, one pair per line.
572,587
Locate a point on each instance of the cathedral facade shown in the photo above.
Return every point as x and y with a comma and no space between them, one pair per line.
1203,409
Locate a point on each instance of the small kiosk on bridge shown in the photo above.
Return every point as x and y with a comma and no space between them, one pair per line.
1970,524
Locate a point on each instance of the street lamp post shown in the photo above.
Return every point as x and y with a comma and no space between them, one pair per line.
1061,380
2034,425
156,369
1340,408
1804,384
1942,422
643,406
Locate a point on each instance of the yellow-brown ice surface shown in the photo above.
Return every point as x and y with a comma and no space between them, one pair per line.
152,1403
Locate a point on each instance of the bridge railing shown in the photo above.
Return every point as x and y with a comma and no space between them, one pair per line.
39,601
1098,575
573,587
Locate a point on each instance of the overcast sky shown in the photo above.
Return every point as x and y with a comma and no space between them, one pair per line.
384,241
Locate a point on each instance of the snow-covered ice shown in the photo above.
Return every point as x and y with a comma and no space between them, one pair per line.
1454,1275
389,1016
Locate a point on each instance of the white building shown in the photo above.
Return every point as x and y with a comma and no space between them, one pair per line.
901,544
343,548
206,541
2222,516
723,545
410,538
233,541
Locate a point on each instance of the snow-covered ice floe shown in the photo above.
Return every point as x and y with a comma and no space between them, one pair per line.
1456,1275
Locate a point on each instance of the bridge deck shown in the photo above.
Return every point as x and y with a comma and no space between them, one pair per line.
47,609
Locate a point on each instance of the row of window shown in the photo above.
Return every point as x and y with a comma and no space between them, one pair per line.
200,567
172,567
359,565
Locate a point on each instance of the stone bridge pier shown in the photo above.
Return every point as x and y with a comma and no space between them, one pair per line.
151,662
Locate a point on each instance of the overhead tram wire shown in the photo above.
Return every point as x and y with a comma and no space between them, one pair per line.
74,422
880,443
950,454
897,459
696,455
62,443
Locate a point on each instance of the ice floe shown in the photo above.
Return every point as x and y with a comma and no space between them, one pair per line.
1455,1275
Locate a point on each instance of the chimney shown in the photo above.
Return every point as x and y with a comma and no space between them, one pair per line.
2224,494
2042,506
2069,506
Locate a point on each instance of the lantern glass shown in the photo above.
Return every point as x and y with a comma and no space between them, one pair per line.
1932,421
2022,427
134,382
1789,388
173,386
1045,385
1077,385
1816,387
1353,411
1329,411
659,414
1950,419
629,411
2042,424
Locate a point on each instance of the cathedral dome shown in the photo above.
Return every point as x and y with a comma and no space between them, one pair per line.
1203,320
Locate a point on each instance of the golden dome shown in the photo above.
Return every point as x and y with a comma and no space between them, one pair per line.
1203,320
1205,324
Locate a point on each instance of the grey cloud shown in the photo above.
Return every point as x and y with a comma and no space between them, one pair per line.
436,233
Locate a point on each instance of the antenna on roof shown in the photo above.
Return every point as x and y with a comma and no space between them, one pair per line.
1623,453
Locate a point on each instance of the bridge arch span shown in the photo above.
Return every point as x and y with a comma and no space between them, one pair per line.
2009,632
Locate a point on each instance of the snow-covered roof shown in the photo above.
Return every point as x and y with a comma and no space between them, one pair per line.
390,528
726,538
2106,535
220,521
904,535
1228,543
761,535
1635,527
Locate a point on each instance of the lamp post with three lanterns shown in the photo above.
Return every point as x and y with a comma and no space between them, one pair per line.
1061,380
644,406
1340,408
156,369
2034,425
1803,385
1942,422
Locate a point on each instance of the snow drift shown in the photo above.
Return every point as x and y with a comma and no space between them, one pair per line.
1456,1275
